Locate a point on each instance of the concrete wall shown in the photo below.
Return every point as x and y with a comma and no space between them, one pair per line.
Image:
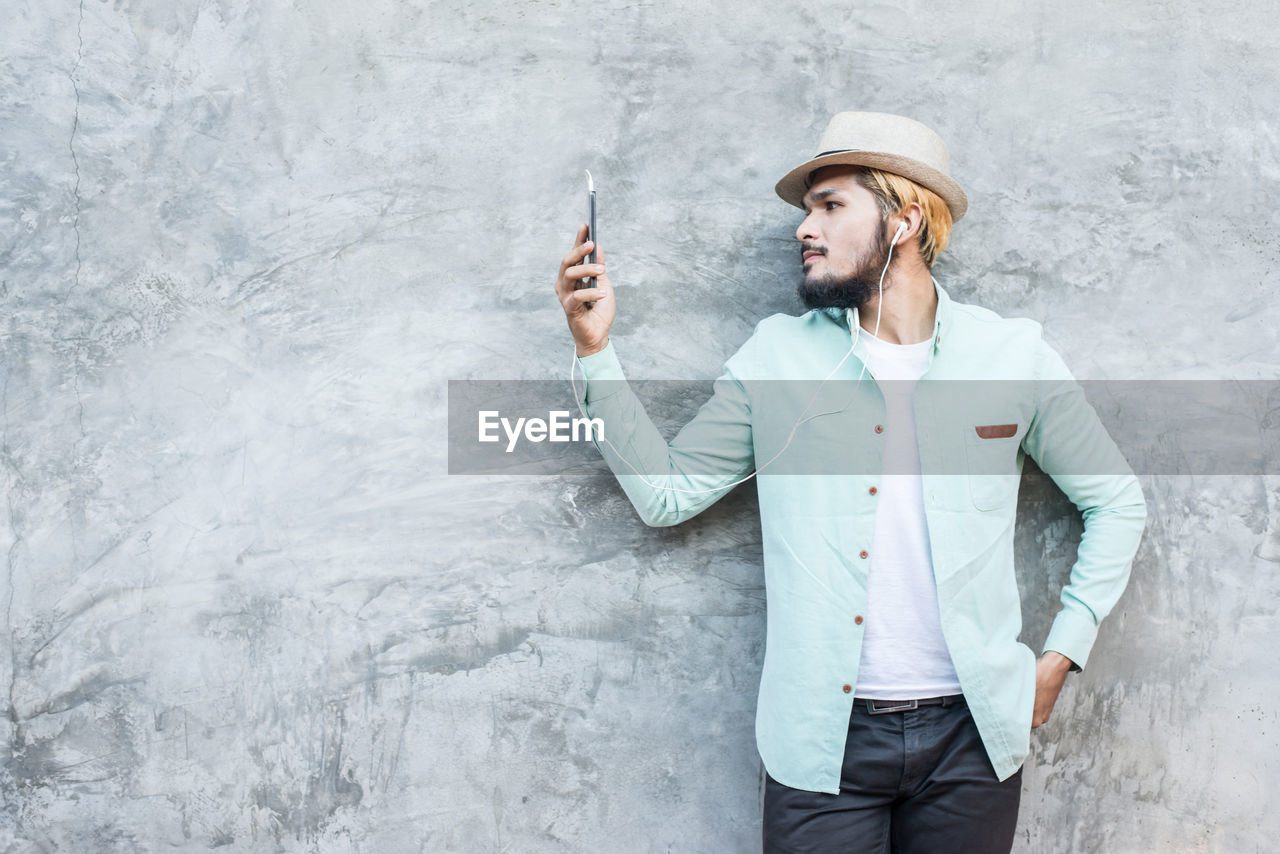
244,246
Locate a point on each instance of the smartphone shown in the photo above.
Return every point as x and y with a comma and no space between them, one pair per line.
591,226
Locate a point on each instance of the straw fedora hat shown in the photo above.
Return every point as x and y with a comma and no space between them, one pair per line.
883,141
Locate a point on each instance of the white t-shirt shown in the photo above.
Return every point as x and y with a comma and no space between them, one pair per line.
904,655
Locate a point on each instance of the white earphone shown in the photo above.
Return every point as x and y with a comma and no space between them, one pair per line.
855,329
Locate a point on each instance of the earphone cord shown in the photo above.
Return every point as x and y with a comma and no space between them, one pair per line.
855,330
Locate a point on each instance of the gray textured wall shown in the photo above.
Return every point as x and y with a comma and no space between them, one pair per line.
244,246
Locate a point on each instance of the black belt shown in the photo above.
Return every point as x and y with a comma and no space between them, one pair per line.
880,707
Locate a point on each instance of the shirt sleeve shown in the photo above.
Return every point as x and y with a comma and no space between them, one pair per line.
669,482
1070,444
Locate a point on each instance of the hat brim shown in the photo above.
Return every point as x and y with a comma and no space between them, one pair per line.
793,186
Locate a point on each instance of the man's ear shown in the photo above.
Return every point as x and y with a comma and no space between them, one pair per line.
912,217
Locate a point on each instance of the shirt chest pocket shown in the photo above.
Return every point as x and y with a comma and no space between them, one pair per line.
991,454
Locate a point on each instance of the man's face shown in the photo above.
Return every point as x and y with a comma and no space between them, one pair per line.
844,244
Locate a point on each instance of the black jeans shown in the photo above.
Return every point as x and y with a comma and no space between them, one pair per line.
912,781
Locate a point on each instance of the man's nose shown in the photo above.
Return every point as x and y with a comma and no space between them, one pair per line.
806,232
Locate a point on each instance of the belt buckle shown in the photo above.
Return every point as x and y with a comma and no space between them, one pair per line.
904,707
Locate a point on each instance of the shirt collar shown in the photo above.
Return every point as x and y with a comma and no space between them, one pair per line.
941,318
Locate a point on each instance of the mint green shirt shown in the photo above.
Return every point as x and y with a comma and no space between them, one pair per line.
818,502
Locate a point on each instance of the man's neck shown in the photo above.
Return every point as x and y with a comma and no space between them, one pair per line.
910,305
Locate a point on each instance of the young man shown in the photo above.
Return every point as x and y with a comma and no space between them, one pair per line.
896,701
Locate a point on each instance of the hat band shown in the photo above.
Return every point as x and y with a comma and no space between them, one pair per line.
808,178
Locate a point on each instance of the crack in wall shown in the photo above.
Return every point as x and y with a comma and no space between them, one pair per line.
71,144
12,712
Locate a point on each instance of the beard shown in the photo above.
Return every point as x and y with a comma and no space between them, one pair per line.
850,290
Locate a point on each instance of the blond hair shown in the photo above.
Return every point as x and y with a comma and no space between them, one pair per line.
894,193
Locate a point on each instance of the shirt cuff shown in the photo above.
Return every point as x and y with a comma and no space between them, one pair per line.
603,373
1072,635
602,365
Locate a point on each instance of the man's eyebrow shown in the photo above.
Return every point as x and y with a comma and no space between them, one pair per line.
820,195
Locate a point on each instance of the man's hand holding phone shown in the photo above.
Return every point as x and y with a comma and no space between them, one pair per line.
590,311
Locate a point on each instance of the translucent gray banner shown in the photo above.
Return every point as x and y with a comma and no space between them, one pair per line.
970,427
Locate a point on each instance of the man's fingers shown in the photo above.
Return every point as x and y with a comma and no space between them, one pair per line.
584,271
589,294
576,254
580,236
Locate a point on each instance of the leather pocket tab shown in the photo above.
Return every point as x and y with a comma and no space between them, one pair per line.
996,431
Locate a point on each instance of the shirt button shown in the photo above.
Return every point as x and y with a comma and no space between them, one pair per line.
879,428
872,490
858,619
847,688
863,554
